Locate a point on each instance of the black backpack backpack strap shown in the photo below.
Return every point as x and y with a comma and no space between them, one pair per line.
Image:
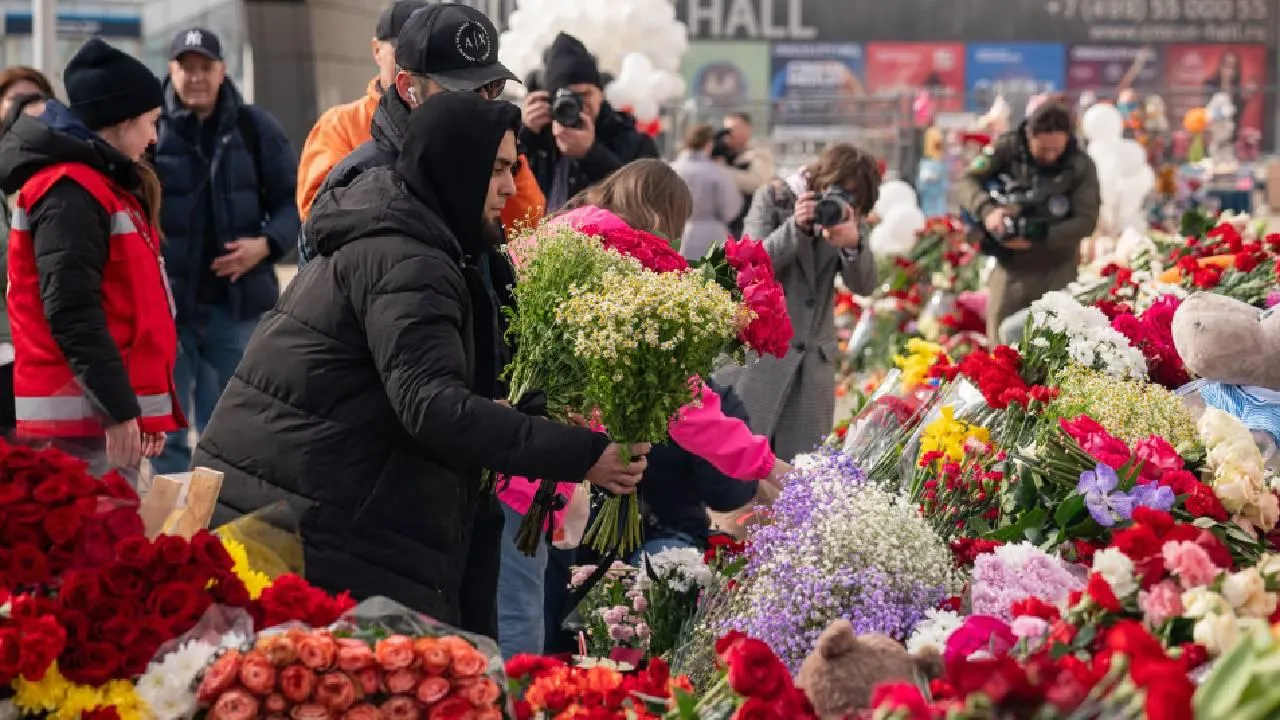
248,128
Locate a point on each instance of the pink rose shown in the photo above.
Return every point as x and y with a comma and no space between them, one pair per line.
979,633
1162,602
1157,457
1029,627
1190,563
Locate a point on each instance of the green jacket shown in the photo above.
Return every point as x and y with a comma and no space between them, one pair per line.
1074,179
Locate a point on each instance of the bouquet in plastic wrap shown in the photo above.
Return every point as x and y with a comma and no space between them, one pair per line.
379,660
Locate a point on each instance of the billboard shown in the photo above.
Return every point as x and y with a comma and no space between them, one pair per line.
1102,68
1015,70
727,74
906,67
816,83
1194,73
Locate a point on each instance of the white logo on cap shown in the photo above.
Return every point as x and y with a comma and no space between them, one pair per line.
194,37
472,41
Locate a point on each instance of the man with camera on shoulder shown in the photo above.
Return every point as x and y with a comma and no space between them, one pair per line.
573,137
1032,196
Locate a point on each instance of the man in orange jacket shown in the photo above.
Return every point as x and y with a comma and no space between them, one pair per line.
343,128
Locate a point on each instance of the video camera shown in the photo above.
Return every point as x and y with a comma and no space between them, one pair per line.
835,207
566,108
1022,205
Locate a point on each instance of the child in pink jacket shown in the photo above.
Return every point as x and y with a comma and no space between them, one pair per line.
701,428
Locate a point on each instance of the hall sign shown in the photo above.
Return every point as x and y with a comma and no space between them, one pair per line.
1069,21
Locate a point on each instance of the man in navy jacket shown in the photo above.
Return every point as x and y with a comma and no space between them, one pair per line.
228,216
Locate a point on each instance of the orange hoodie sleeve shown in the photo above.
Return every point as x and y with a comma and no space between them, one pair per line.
527,206
341,129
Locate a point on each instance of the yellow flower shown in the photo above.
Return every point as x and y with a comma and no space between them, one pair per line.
921,355
43,695
950,436
254,581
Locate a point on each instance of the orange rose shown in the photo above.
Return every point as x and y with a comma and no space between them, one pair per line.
275,704
297,682
279,648
432,690
234,705
317,651
402,682
219,678
481,691
310,711
394,653
370,680
433,655
257,674
469,662
487,713
354,655
363,711
336,691
453,707
400,707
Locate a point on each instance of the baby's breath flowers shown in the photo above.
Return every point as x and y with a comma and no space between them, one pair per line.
1129,409
640,336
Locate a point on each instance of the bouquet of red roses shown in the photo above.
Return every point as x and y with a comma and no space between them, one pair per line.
1152,333
744,269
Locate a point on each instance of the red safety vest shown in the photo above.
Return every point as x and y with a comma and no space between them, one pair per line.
49,402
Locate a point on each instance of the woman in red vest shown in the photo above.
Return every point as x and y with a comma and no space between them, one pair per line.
89,304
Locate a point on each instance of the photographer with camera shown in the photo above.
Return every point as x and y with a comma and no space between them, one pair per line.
716,200
750,164
813,226
1032,197
573,137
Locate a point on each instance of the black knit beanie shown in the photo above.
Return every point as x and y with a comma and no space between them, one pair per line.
569,63
106,86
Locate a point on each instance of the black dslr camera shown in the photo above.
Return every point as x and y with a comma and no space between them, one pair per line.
835,206
720,147
566,108
1022,207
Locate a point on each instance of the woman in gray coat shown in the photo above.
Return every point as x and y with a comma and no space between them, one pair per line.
792,400
716,199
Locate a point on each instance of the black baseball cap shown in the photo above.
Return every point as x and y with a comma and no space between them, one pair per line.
452,44
196,40
394,17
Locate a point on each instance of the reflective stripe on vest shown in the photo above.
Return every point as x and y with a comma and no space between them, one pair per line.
121,223
75,407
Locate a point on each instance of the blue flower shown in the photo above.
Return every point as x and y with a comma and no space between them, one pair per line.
1154,496
1106,505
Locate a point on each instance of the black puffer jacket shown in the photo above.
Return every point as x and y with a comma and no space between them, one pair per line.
356,399
387,129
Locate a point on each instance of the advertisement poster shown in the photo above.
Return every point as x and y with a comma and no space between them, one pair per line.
816,83
1102,68
1194,73
1017,71
910,67
729,75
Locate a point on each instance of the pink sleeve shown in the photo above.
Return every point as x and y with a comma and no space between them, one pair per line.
725,442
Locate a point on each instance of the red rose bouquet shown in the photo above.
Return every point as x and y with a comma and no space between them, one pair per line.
1152,333
744,268
653,252
546,688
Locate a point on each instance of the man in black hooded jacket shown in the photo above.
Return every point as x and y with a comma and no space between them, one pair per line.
378,427
567,159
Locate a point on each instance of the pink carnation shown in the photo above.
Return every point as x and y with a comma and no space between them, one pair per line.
1190,563
1029,627
996,584
1162,602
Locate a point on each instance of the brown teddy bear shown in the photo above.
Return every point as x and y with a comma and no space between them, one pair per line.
1228,341
840,673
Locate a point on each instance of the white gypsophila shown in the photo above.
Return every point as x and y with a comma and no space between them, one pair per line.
806,461
932,632
1117,569
681,568
166,685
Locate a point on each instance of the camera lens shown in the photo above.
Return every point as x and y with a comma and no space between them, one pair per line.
829,212
566,109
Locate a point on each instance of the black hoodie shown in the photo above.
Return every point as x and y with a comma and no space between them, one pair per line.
71,234
375,429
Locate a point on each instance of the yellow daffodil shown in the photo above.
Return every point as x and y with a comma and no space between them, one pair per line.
921,355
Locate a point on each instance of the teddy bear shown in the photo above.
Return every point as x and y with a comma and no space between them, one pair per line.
843,669
1228,341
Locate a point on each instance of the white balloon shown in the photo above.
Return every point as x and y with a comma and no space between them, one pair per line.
893,194
1131,157
906,218
1102,122
886,242
646,109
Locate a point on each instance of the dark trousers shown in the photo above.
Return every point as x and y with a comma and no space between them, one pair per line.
8,420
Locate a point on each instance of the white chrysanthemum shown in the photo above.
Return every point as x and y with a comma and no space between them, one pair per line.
681,568
1117,569
166,685
933,631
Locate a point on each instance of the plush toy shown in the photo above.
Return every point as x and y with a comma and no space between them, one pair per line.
1228,341
840,673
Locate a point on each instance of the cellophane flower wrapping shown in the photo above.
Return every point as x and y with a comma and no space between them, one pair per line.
379,660
264,545
640,336
839,547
